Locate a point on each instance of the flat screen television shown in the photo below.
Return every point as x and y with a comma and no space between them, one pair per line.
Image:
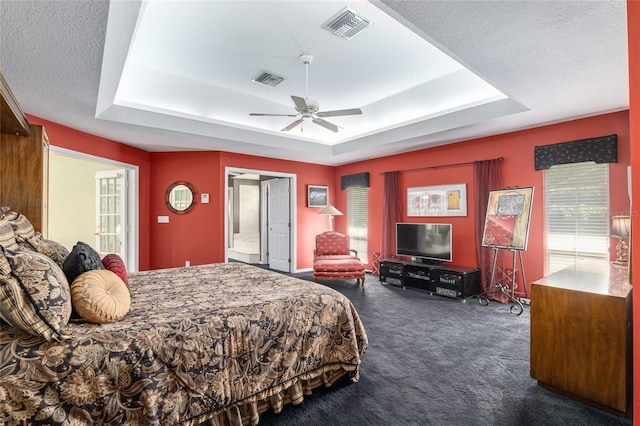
427,242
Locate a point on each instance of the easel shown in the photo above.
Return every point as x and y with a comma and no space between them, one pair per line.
505,288
506,229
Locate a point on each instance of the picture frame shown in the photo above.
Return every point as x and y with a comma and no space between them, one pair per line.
507,220
317,196
437,200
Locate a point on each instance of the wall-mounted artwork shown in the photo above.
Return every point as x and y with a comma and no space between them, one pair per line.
507,221
317,196
438,200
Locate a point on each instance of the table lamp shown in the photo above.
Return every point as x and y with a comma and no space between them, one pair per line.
621,228
331,212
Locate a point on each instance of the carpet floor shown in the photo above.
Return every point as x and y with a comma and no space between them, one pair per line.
438,361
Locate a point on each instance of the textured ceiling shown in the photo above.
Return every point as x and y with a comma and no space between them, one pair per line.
553,61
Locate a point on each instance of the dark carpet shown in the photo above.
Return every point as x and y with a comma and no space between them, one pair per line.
437,361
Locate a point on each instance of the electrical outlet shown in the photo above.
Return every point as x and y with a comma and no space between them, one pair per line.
187,263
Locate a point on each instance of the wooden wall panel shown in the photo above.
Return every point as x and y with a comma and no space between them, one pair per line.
23,175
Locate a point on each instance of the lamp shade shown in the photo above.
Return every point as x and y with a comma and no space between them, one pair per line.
330,210
621,226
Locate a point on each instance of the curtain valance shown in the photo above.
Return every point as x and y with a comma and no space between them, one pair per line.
603,149
358,180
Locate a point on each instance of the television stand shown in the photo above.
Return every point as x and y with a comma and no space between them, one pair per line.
459,282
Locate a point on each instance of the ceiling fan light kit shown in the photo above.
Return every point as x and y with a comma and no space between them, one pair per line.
309,108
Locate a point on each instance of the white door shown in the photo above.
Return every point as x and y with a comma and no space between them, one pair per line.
279,224
111,212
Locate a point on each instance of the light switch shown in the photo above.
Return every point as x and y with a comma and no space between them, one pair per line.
163,219
204,198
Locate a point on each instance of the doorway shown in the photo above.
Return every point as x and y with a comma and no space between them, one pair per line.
94,200
260,218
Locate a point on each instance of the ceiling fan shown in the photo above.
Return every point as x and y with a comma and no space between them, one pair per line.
309,108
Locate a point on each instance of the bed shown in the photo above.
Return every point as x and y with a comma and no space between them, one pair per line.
217,344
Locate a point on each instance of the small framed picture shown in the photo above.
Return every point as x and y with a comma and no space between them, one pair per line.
317,196
439,200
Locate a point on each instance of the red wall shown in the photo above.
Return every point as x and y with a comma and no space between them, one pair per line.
633,28
193,236
517,170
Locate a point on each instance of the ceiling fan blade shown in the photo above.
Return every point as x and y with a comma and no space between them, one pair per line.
292,125
272,115
301,104
325,124
338,112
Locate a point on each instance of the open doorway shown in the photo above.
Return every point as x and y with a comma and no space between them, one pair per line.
260,218
94,200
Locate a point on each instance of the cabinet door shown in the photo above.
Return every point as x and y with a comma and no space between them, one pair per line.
579,344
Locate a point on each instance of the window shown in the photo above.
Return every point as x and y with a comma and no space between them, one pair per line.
577,213
357,219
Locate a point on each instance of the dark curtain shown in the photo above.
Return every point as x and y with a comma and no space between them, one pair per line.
488,177
391,212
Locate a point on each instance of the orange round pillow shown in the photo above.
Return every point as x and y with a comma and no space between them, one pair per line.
100,296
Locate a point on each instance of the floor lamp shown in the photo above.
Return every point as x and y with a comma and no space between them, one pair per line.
331,212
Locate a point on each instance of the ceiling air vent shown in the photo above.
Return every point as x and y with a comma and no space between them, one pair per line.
347,24
268,79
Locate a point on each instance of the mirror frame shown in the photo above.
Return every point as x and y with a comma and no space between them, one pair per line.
167,195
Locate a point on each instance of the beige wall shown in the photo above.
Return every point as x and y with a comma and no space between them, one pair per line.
72,199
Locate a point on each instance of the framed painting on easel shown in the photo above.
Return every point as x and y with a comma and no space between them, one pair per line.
507,220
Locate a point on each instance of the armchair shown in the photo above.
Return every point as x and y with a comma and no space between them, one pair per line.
334,259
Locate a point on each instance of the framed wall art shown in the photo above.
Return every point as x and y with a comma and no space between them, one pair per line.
438,200
507,221
317,196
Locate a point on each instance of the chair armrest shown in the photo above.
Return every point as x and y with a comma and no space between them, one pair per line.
355,252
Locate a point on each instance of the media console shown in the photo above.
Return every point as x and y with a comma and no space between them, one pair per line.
459,282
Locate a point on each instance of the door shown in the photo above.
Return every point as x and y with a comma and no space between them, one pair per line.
279,225
111,208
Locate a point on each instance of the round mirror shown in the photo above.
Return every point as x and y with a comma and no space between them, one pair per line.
180,197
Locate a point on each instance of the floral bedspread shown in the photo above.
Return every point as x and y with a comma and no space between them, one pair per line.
195,342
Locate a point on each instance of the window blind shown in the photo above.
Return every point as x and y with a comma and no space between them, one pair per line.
576,213
357,220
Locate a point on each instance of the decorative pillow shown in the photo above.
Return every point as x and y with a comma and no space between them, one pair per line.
35,295
5,267
100,296
23,245
7,237
82,258
53,250
21,225
114,263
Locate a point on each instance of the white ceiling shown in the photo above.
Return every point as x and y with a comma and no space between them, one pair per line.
176,75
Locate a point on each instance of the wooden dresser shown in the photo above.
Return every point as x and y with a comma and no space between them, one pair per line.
581,334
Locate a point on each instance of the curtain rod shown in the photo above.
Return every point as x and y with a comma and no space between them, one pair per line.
442,166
